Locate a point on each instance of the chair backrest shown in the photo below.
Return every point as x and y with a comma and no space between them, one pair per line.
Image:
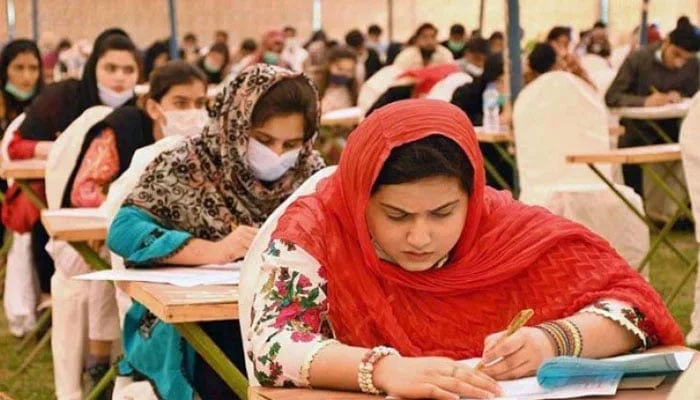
376,86
65,151
444,89
690,152
592,63
556,115
251,263
14,125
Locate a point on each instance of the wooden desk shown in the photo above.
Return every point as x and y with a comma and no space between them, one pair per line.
494,137
343,117
260,393
185,308
174,304
74,227
23,169
678,110
631,155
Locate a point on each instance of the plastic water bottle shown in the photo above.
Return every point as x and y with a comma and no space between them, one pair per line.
491,121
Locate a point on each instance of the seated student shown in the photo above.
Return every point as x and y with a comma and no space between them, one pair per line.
475,52
456,42
654,76
176,104
404,247
368,59
497,42
215,63
108,79
157,55
542,59
424,51
339,88
470,99
560,39
254,154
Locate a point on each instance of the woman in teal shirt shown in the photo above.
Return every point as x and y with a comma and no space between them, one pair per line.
202,202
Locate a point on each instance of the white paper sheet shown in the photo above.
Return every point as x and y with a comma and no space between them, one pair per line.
529,389
223,274
75,213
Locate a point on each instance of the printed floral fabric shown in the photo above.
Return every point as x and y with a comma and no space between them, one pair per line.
205,185
290,321
99,166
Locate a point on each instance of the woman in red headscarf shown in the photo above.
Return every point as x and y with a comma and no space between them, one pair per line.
405,247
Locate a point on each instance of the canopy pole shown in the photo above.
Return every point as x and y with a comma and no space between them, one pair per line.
514,58
11,19
390,20
35,20
174,47
481,17
644,29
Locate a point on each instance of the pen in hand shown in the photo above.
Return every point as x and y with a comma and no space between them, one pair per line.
518,322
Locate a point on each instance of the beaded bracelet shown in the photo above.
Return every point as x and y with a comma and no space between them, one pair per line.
365,371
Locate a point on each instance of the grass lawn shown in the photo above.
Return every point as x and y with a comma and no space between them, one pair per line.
37,382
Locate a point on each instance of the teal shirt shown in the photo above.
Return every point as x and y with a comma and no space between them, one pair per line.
152,348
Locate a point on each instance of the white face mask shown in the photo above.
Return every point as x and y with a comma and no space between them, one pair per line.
266,164
184,122
114,99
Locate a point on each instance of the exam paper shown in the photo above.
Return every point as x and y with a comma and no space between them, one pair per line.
220,274
529,389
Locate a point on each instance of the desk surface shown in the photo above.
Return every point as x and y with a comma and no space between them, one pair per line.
631,155
23,169
260,393
678,110
343,117
74,227
174,304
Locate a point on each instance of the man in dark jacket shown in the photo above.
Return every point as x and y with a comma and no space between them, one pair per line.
368,59
655,75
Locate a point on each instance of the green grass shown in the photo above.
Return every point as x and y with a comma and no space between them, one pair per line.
37,382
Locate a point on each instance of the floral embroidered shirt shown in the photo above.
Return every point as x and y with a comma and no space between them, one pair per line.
98,169
290,321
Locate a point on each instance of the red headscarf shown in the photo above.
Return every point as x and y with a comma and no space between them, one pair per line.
510,256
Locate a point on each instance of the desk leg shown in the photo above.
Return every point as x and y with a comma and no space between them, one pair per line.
662,134
212,354
641,216
495,174
90,256
667,190
38,202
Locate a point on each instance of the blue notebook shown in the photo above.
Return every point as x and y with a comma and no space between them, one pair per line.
561,371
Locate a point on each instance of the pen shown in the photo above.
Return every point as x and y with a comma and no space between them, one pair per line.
518,322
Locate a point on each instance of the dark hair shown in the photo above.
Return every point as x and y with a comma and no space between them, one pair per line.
559,31
374,29
290,96
683,20
173,73
542,58
477,45
290,29
249,44
355,39
687,37
340,53
496,36
317,36
223,50
64,44
189,36
221,32
493,68
600,24
457,29
424,27
11,51
435,155
153,52
117,41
